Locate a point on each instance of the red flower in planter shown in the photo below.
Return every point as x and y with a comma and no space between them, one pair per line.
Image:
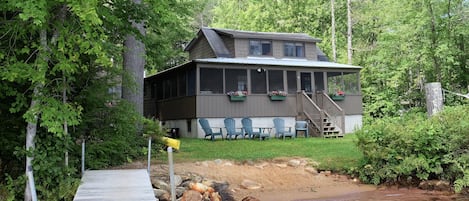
340,93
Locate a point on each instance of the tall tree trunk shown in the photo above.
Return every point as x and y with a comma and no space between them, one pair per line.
349,32
64,99
134,63
31,128
433,43
334,50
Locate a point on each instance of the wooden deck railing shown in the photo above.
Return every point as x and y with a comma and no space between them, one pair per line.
311,110
324,107
333,111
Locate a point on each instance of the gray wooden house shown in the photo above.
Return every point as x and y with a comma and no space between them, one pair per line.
259,65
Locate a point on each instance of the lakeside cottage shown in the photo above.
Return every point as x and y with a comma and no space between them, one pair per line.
260,75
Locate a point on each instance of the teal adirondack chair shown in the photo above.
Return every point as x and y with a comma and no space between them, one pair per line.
208,130
281,131
247,126
230,125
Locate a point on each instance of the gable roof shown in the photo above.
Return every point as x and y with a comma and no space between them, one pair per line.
216,43
220,50
303,37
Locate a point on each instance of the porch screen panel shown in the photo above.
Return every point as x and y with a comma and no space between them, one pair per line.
291,82
319,81
258,81
153,89
182,83
191,82
334,82
352,83
211,81
276,80
235,80
173,87
159,90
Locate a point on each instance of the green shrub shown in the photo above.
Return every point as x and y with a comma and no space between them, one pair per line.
412,148
111,136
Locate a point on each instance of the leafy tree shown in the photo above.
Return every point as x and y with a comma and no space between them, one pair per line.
59,59
406,45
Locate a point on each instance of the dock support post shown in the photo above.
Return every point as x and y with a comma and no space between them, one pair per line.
149,155
171,173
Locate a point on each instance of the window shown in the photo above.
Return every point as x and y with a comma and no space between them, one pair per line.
276,80
291,82
260,48
306,82
294,49
211,81
348,82
258,82
235,80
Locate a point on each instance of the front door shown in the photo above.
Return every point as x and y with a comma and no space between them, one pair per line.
306,84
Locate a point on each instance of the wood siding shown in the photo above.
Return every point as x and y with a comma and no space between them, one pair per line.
178,108
241,47
311,52
216,106
352,105
201,50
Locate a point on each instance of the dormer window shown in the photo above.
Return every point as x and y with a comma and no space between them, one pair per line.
260,47
292,49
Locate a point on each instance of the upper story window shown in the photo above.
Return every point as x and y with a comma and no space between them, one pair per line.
260,47
292,49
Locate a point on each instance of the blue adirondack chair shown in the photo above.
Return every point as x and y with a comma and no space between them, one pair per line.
230,125
208,130
281,131
247,126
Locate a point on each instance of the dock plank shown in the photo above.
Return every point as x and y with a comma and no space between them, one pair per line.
115,185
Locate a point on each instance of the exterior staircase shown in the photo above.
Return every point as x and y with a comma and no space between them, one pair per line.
330,130
326,119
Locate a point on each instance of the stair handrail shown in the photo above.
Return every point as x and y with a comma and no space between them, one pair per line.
335,113
310,110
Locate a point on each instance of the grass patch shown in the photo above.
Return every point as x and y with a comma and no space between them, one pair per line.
332,154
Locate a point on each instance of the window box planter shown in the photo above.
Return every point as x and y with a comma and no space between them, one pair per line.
277,95
337,97
277,98
237,98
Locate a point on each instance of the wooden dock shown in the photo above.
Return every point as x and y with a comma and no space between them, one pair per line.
115,185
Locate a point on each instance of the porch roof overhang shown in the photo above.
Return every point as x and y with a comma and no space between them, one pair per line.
265,61
278,62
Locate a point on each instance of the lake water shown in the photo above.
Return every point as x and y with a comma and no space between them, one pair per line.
396,195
